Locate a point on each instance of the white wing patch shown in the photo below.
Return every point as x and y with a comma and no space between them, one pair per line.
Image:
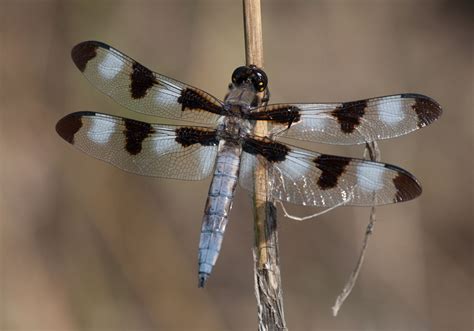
165,97
314,121
165,145
111,65
318,124
203,155
392,112
101,129
369,177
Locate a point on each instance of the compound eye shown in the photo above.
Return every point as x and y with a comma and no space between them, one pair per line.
239,75
260,81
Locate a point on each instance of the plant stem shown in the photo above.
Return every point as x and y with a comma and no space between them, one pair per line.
268,290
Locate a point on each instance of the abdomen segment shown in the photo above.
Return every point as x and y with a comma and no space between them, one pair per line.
218,205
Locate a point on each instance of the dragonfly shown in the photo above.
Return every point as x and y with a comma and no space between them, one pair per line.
219,138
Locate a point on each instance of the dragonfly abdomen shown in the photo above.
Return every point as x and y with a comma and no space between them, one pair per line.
218,205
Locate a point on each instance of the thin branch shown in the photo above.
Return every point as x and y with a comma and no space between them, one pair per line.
371,152
268,290
253,33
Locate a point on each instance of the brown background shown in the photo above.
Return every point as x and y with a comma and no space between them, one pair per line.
85,246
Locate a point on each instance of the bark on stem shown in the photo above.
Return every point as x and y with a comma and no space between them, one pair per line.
268,290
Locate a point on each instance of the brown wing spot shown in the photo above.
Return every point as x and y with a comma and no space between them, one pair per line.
187,136
426,109
270,150
191,99
135,132
68,126
349,114
285,114
407,186
84,52
332,168
142,79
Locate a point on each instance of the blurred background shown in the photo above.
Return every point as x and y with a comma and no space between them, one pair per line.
85,246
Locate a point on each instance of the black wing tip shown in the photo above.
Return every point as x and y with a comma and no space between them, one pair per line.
86,51
427,109
69,125
407,186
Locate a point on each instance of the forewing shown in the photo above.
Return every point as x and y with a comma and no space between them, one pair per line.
307,178
138,88
167,151
354,122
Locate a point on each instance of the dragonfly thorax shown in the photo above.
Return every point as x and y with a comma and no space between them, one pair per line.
233,128
240,99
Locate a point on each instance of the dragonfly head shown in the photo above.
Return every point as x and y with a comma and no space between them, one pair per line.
250,75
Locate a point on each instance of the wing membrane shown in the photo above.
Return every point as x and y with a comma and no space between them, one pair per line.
167,151
308,178
347,123
134,86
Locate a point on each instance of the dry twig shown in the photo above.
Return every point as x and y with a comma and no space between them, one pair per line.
266,260
371,152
